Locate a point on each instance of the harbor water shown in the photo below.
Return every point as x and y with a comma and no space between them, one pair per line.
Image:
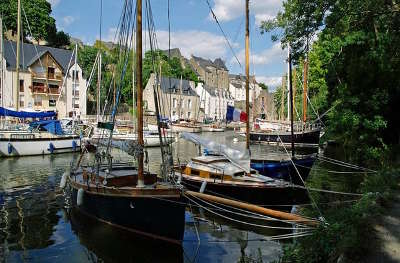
38,225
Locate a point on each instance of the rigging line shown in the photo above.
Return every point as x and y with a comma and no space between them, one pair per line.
315,111
232,219
223,33
331,171
327,191
344,164
298,173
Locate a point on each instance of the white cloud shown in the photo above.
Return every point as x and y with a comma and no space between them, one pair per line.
68,20
265,57
54,2
271,82
226,10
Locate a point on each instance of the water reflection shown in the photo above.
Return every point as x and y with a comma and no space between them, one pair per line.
35,226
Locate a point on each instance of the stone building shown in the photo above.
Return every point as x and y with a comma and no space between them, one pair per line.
214,102
45,81
213,74
178,98
264,106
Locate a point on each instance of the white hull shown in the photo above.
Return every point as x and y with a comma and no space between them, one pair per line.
149,140
26,147
185,128
212,129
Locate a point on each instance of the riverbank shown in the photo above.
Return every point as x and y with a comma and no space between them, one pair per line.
387,235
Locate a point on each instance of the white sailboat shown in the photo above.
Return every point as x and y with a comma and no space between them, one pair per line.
42,137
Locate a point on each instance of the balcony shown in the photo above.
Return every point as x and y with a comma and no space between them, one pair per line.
54,91
38,89
45,76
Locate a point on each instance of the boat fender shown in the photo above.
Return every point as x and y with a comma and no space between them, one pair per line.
51,148
79,197
203,186
179,178
10,148
63,181
74,145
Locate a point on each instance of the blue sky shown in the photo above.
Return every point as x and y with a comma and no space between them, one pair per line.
193,30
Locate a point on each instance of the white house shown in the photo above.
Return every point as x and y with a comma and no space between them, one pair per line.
45,81
237,88
214,101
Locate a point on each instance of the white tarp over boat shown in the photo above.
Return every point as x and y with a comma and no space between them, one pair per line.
239,158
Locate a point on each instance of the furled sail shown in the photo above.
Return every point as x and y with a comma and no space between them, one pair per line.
239,158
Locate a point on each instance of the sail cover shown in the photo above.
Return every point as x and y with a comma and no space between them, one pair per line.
240,158
52,126
27,114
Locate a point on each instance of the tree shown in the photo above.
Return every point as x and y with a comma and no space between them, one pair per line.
263,86
38,14
354,67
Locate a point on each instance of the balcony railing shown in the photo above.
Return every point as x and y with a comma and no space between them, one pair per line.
51,76
54,91
39,89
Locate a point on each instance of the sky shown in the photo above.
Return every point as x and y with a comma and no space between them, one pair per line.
193,30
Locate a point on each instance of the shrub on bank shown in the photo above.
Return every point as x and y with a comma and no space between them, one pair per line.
347,233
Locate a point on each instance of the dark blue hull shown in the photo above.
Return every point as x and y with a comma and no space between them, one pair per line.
284,169
160,218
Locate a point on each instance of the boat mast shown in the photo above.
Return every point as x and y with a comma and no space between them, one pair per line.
99,68
288,87
74,81
16,93
139,87
247,78
291,99
1,63
305,75
180,101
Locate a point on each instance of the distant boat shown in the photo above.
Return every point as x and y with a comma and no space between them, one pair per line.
301,138
213,127
185,127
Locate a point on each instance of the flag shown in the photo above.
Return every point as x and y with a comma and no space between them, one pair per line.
233,114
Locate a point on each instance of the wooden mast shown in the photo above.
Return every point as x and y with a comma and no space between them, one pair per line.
16,93
291,99
1,63
99,68
247,78
139,87
305,75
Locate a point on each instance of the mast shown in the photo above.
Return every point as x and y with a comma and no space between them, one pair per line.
305,75
247,78
99,69
139,86
288,86
291,99
1,63
16,93
180,100
74,78
281,117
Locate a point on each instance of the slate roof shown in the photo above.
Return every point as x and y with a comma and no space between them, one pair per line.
29,55
175,52
175,86
204,63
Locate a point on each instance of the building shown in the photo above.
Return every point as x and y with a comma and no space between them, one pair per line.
264,106
177,98
237,88
45,81
214,102
213,74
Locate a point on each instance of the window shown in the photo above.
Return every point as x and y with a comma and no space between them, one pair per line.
50,73
53,89
75,75
189,103
52,102
37,101
174,102
21,85
174,113
189,114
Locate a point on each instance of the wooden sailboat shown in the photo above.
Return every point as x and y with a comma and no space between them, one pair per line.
227,173
128,197
304,134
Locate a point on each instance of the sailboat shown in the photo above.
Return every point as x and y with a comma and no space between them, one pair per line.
305,134
122,195
227,172
45,136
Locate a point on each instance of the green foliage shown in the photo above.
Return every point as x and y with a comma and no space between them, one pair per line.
263,86
354,69
38,14
169,68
